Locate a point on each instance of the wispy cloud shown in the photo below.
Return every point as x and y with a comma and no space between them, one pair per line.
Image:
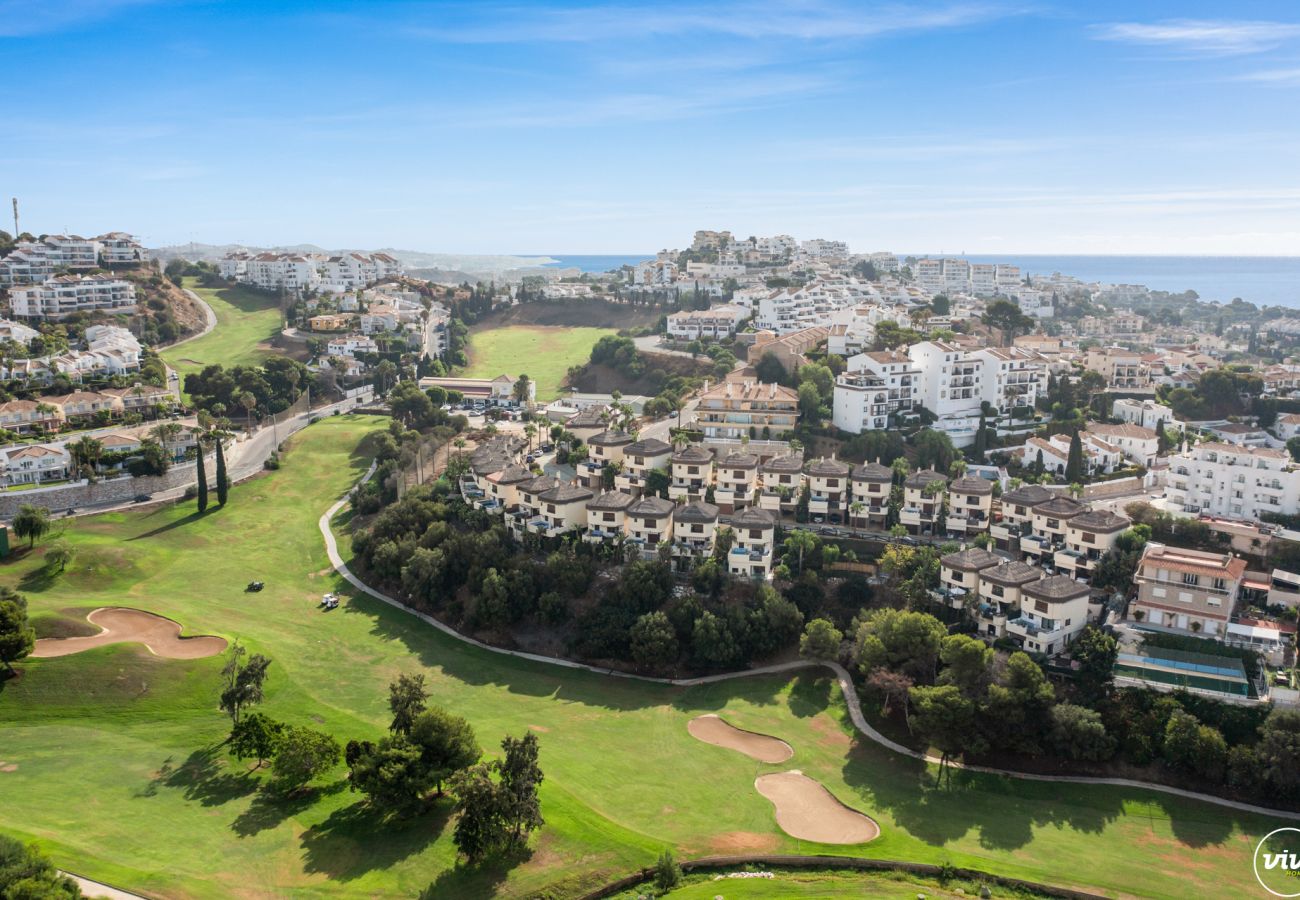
1202,37
807,20
24,18
1273,76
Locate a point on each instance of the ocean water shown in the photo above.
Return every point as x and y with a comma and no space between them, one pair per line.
1265,280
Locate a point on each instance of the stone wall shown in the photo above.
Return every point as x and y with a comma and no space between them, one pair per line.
105,492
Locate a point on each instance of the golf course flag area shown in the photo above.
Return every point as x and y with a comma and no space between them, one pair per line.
115,761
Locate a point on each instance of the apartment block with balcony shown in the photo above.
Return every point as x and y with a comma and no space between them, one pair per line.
970,505
783,480
1053,611
922,503
736,481
1012,377
959,574
1123,369
529,504
560,510
66,295
607,516
828,489
501,489
1233,482
640,458
1014,515
692,473
1189,591
1049,524
999,596
871,485
736,409
890,384
603,449
695,527
650,522
753,549
1088,537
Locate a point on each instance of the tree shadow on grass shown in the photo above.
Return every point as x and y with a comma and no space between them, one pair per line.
357,839
480,880
203,779
39,580
162,529
271,807
811,694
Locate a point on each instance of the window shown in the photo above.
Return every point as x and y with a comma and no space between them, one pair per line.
1190,579
755,534
1184,597
608,517
1158,592
1220,584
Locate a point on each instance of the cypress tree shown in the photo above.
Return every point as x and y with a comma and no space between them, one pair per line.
203,481
1162,439
223,486
1074,462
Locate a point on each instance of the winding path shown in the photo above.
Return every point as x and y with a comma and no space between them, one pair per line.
841,675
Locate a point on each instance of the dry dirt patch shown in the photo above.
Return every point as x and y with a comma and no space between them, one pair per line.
763,747
806,810
121,625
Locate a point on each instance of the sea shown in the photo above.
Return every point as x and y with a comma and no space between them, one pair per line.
1264,280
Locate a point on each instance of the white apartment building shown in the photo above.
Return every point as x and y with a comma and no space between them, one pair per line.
875,385
785,310
1011,377
956,276
983,279
716,323
351,345
351,271
32,262
656,272
1146,413
1006,277
64,295
928,274
17,332
1140,445
1233,482
884,262
280,271
820,248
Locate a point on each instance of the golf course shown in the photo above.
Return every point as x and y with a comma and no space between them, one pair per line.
544,353
246,321
112,758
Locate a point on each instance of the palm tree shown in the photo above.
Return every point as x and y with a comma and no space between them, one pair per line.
249,402
680,439
86,452
1076,490
530,430
856,508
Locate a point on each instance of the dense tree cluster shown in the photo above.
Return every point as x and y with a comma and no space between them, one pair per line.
273,387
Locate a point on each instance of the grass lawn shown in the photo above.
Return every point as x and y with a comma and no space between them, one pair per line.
543,353
120,775
822,885
245,321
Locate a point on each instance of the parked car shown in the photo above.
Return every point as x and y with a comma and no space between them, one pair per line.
254,587
143,498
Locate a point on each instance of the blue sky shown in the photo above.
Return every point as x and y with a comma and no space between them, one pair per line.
531,127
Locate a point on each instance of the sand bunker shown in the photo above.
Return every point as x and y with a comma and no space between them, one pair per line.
713,730
162,636
806,810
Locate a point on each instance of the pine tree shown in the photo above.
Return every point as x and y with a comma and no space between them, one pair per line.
203,481
223,486
1074,462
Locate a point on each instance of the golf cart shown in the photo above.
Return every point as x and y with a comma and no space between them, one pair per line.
329,601
254,587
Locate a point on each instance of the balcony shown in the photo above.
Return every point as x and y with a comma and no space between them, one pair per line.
966,523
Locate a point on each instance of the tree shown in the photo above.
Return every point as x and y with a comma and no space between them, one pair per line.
1074,465
667,873
521,777
945,719
202,468
713,642
406,700
31,522
967,661
1078,733
86,452
934,450
1193,747
255,736
770,370
58,555
1006,317
17,636
520,389
446,742
301,754
479,823
653,640
243,681
800,542
901,641
391,775
223,483
893,687
820,640
26,874
1095,651
810,403
1278,751
1016,709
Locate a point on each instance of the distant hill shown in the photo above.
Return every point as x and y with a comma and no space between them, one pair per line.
452,267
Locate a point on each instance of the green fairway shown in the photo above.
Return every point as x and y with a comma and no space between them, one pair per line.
117,768
543,353
823,885
245,322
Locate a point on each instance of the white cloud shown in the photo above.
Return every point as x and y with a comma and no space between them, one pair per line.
1273,76
807,20
1202,37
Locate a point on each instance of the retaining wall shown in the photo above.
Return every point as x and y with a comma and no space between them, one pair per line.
105,492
